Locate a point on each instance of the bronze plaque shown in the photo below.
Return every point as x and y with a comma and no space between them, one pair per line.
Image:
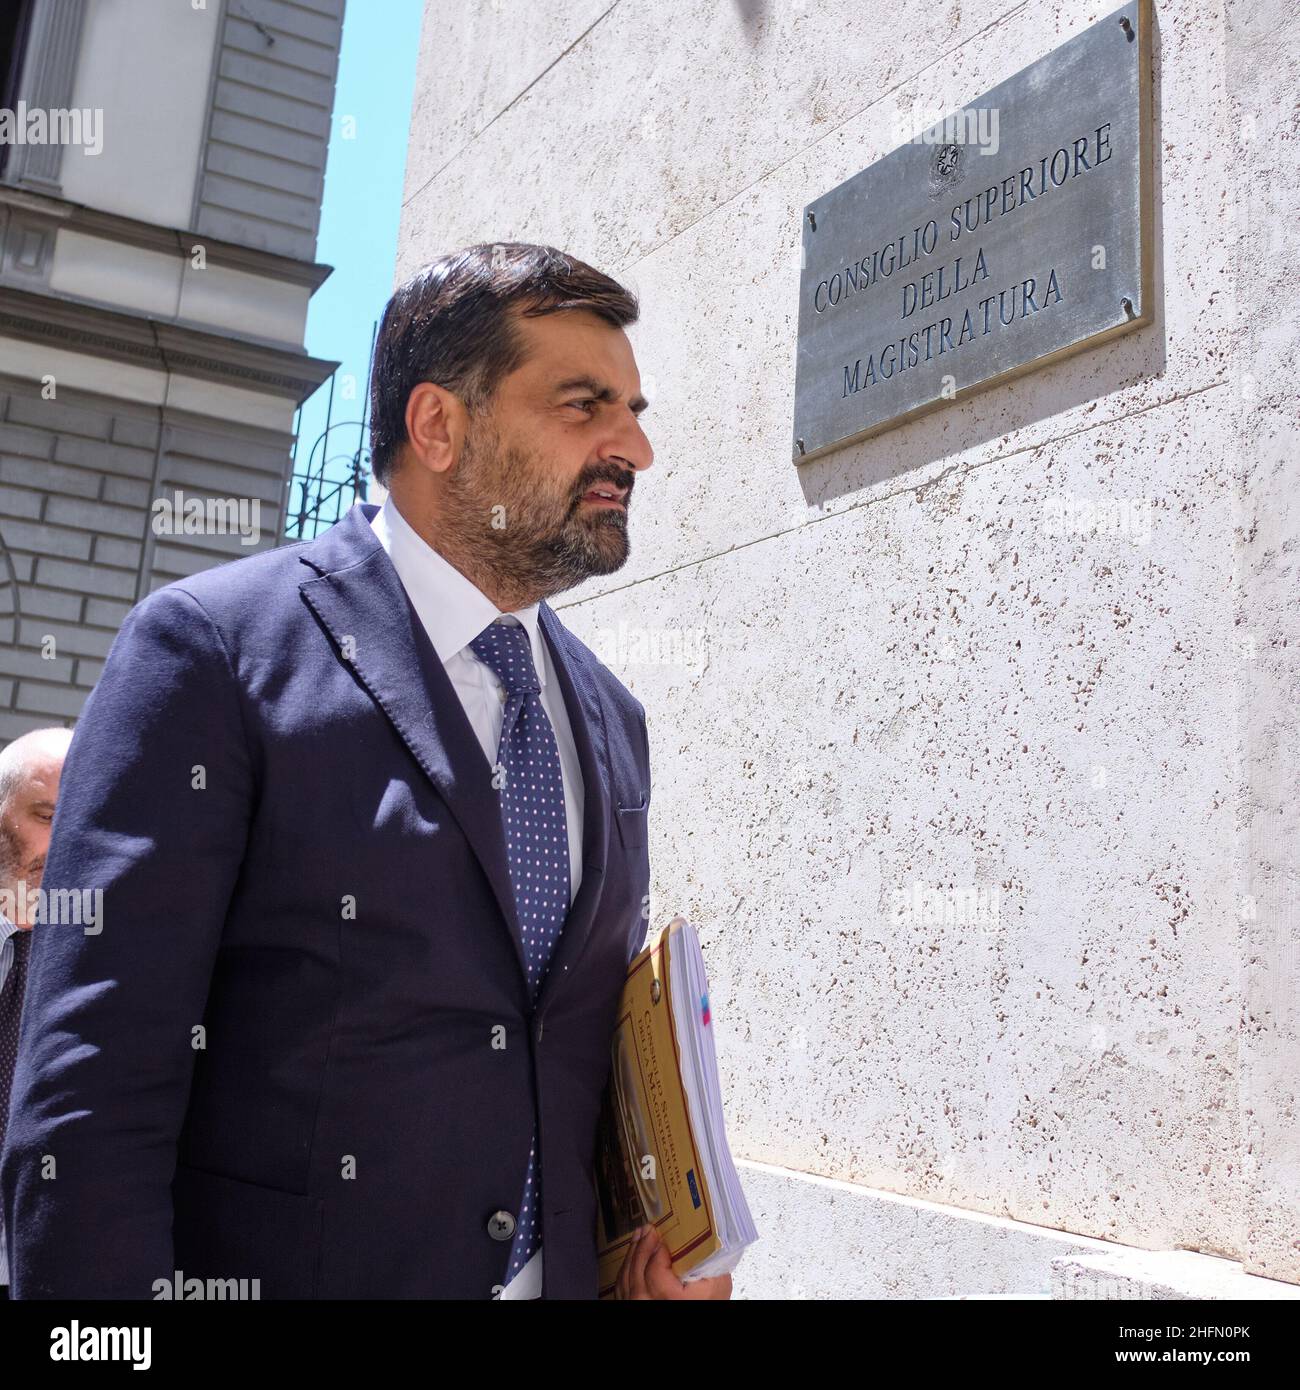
999,239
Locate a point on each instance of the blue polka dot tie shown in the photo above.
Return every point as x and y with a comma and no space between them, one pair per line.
537,849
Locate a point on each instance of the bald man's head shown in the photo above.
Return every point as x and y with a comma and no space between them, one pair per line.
30,768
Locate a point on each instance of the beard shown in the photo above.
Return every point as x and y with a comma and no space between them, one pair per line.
513,519
16,867
11,857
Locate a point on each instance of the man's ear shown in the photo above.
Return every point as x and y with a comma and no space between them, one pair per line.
435,426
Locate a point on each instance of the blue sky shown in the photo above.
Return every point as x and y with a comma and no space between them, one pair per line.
361,208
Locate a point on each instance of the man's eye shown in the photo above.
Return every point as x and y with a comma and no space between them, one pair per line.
583,405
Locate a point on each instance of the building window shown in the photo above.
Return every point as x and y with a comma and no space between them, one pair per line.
15,24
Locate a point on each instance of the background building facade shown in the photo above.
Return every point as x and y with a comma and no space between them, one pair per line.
156,264
881,682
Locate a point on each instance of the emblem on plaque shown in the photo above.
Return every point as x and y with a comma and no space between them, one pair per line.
947,163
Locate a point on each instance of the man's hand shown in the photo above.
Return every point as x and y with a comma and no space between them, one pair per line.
648,1273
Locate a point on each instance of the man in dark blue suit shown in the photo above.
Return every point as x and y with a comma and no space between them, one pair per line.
370,827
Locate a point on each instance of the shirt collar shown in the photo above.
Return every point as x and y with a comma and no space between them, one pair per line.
453,610
7,928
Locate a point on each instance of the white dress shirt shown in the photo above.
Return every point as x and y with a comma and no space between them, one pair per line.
454,611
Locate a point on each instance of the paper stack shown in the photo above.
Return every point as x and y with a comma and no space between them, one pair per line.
662,1156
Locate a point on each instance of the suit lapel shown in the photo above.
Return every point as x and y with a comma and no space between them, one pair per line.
361,602
587,718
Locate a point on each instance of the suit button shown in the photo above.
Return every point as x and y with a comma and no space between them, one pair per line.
501,1225
539,1030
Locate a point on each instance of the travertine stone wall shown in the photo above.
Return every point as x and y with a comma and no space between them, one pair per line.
882,677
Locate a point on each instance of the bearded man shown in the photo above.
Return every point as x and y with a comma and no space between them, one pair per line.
370,826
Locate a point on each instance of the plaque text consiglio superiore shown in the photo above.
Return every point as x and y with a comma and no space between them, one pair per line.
999,238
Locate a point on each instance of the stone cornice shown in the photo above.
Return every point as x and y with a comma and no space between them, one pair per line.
125,337
173,241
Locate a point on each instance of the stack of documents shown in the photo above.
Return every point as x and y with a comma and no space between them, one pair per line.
661,1155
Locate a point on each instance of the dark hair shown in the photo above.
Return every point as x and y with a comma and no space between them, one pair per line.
450,323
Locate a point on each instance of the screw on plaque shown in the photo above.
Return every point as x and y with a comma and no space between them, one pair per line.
1127,28
655,991
802,450
812,220
1128,308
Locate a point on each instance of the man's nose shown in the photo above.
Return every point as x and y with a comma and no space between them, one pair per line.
630,445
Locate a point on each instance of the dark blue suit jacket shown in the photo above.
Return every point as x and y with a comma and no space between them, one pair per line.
301,1048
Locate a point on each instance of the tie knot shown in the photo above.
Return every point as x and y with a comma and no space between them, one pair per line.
507,652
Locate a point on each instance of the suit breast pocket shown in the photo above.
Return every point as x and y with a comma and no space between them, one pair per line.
632,813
